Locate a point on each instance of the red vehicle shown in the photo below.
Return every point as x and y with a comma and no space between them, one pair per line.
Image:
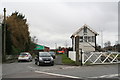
60,52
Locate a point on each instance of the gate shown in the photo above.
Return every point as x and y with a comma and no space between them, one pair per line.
100,57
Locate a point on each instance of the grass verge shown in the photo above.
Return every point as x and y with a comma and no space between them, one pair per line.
66,60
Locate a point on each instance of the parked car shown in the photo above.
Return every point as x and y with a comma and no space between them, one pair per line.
24,56
44,58
52,54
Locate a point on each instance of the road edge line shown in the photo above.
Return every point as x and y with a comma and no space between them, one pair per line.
105,76
53,74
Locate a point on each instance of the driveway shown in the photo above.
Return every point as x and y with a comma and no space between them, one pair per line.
58,60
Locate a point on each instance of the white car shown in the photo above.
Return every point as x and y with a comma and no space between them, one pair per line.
24,56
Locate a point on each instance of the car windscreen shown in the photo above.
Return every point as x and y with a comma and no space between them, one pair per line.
51,52
44,55
22,54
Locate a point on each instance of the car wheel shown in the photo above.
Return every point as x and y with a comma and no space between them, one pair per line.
28,60
38,63
52,64
35,62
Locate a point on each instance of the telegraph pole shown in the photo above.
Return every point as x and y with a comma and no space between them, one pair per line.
77,49
4,36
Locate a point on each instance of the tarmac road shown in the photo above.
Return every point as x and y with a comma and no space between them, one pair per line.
30,70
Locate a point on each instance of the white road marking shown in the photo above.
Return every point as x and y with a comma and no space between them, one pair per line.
53,74
103,76
106,76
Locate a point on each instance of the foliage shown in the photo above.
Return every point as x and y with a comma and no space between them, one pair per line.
17,34
9,48
115,48
107,44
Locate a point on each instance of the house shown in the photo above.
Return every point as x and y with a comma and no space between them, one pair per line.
87,38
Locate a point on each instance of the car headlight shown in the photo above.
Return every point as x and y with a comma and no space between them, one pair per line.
52,58
40,58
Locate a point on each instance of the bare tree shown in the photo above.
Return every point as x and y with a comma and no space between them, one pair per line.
66,44
107,44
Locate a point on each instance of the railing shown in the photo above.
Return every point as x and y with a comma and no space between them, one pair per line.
100,57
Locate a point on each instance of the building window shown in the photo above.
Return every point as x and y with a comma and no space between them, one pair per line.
93,38
85,38
81,38
85,30
89,39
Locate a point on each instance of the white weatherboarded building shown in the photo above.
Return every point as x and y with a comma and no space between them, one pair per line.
87,38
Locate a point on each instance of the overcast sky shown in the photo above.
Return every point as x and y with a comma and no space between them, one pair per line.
55,21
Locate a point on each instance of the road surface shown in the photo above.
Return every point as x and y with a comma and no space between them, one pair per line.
30,70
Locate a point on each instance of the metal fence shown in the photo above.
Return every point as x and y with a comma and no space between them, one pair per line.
100,57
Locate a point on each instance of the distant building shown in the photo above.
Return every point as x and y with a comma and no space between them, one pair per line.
41,48
87,38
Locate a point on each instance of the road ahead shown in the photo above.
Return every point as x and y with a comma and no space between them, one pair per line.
30,70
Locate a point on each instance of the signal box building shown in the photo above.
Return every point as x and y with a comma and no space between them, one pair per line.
87,38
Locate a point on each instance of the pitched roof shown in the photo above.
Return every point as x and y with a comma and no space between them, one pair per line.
75,33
